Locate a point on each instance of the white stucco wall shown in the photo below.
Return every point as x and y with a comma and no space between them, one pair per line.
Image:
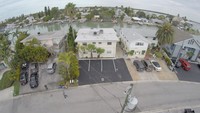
108,48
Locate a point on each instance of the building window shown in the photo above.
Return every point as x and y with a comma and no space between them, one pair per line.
84,44
100,42
93,42
139,44
109,43
94,51
143,52
109,52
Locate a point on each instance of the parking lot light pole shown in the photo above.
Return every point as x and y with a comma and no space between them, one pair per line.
179,53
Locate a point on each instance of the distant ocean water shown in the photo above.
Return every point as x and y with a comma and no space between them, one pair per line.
188,8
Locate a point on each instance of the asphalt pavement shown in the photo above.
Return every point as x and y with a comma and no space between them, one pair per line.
153,97
192,75
103,71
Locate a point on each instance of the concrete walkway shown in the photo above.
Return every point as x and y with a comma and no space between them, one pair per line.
6,93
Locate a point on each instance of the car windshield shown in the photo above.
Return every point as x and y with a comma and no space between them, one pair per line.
156,64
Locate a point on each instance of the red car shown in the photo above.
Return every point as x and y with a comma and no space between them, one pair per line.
185,64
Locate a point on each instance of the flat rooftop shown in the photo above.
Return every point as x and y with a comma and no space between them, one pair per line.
96,34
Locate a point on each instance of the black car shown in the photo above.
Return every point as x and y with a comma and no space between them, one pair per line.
148,66
34,80
139,66
34,68
24,78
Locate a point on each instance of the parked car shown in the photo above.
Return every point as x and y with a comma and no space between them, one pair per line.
139,66
24,78
156,65
34,80
148,66
51,68
34,68
185,64
198,60
177,64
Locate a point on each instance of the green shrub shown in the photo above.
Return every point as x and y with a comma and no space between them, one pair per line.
158,54
7,80
168,61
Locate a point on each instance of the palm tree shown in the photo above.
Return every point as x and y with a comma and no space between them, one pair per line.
91,48
70,69
165,34
64,59
70,10
100,51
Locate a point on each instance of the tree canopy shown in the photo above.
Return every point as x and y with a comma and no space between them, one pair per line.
71,36
70,10
165,34
69,67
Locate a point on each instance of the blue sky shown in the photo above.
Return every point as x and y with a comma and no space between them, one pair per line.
188,8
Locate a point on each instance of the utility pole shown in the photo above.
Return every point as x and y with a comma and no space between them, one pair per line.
128,92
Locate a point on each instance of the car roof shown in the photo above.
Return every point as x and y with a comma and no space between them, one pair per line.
186,62
147,61
50,65
139,63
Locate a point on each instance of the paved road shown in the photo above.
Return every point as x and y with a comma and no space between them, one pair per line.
191,75
104,98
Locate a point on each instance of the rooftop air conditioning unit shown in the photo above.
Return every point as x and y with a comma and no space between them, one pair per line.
95,33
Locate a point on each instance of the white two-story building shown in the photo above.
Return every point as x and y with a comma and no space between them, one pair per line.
133,41
105,38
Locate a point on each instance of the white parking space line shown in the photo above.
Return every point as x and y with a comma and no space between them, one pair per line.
114,65
101,66
89,66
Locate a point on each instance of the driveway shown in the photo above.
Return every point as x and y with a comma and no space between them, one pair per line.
165,74
192,75
101,71
50,80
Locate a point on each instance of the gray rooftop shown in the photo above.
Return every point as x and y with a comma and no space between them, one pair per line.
55,36
180,35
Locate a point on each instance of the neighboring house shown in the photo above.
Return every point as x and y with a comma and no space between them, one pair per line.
96,17
183,44
118,12
53,41
31,19
127,19
178,21
105,38
133,41
136,19
157,21
10,26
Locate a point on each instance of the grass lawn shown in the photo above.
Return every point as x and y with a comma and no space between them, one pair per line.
5,81
16,88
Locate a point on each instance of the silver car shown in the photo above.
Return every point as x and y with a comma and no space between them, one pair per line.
51,68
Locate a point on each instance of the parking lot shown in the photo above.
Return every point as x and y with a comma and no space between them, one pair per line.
50,80
192,75
101,71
